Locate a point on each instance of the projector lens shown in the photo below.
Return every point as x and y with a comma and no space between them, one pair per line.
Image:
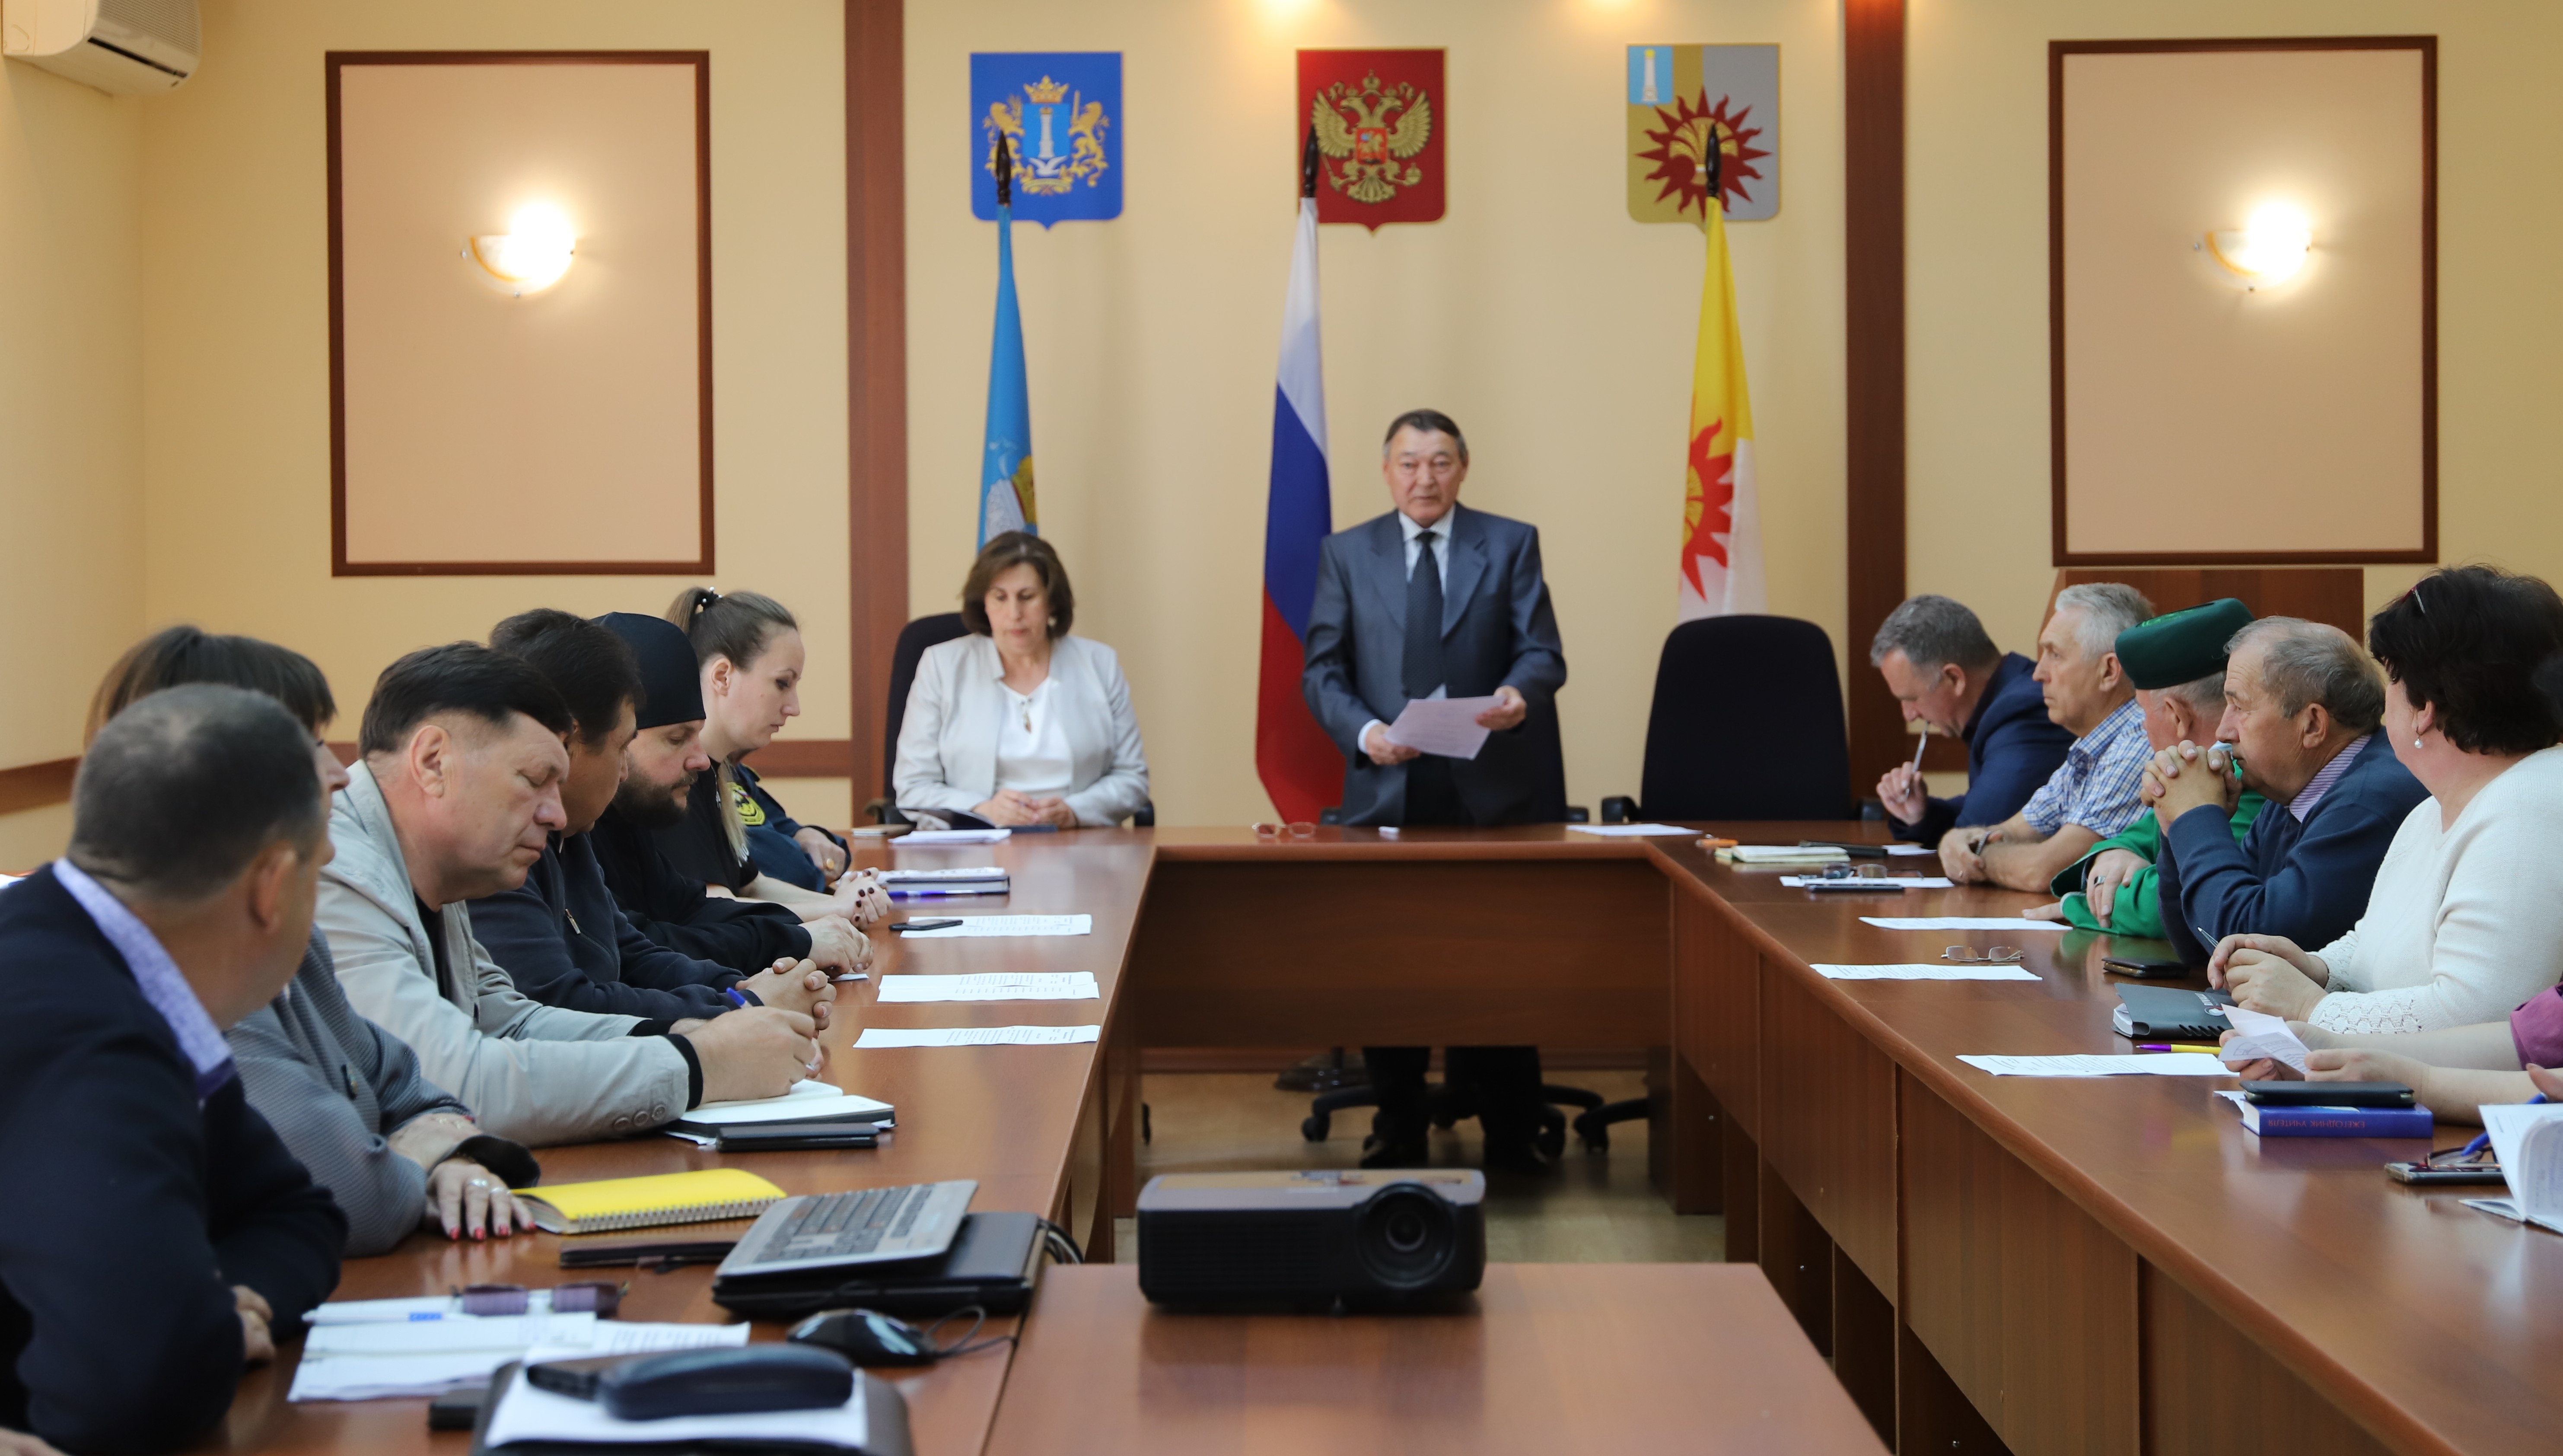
1406,1237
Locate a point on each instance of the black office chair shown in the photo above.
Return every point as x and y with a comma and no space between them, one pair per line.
914,639
1445,1106
1747,724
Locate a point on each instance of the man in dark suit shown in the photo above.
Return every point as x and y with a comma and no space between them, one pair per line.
179,1235
2302,705
1947,675
1428,602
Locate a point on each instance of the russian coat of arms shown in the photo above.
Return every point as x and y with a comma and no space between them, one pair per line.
1372,130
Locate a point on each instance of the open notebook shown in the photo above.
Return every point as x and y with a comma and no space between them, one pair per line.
2528,1140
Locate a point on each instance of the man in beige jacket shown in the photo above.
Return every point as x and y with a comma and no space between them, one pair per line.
457,792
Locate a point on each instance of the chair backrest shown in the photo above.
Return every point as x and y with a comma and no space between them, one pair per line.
914,639
1747,724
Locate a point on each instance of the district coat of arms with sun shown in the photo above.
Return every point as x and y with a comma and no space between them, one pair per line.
1688,132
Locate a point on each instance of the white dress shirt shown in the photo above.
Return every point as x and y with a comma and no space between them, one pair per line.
1032,746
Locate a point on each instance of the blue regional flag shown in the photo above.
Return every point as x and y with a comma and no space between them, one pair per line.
1006,465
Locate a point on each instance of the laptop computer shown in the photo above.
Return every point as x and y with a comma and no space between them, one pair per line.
858,1226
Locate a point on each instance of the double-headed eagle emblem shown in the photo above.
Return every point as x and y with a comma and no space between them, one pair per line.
1065,144
1369,131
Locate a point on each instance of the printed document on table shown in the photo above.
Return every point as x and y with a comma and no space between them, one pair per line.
2261,1035
1926,971
884,1036
917,837
1959,922
1908,881
376,1362
1445,726
982,925
2143,1064
929,877
808,1101
1627,831
1900,850
992,987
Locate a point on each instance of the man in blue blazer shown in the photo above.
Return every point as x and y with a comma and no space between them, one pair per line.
1947,675
164,1237
1427,602
2302,705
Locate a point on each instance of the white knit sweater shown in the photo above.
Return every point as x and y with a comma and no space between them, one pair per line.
2465,923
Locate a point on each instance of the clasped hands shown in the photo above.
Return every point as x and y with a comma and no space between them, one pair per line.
2269,973
1010,809
2169,792
1508,713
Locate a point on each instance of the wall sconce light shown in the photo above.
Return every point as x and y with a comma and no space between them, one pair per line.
531,256
2268,249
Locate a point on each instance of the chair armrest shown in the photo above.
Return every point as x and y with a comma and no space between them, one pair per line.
1619,809
1146,816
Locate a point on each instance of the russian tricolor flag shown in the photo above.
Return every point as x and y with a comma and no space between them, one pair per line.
1300,767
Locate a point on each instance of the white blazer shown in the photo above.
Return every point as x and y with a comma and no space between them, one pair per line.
947,742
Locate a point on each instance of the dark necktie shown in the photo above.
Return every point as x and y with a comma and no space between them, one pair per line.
1423,621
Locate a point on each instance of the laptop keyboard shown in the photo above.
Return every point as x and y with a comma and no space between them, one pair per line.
834,1225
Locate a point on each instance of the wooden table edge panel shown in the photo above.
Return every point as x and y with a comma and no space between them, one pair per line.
2291,1346
1405,850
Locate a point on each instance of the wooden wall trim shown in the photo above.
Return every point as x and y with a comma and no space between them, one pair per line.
876,370
806,758
2056,51
36,786
1874,367
702,564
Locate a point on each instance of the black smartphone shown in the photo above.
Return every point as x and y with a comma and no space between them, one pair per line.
2329,1094
792,1136
657,1253
2145,968
923,924
2445,1172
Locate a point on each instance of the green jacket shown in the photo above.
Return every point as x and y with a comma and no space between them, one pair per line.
2137,910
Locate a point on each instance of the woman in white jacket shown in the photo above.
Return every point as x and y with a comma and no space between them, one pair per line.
2463,924
1020,723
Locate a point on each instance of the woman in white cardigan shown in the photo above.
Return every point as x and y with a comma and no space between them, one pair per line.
2463,924
1020,723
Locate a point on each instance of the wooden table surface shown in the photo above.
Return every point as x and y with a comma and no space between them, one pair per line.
2432,1325
2426,1323
1696,1358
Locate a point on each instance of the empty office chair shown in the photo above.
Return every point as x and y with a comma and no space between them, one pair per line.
1747,724
914,639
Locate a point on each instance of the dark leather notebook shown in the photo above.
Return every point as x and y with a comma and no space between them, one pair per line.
2169,1012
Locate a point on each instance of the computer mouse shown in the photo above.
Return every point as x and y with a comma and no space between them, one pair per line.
725,1382
867,1338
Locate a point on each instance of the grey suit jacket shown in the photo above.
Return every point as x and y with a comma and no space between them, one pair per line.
333,1084
1499,629
534,1075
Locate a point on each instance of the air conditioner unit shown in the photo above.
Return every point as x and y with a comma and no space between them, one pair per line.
125,48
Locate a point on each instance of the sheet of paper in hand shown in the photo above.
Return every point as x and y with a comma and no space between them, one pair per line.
1445,726
2259,1035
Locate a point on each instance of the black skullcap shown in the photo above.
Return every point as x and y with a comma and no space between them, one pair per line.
670,692
2181,646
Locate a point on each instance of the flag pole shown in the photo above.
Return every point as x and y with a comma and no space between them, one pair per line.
1006,173
1309,166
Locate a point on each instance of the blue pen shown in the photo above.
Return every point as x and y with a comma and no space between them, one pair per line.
2484,1139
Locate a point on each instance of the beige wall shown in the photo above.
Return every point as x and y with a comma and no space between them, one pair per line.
1556,331
236,429
70,417
1977,277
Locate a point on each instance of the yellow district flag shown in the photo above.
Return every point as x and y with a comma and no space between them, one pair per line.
1721,551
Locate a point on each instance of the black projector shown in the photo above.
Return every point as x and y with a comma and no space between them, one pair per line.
1312,1241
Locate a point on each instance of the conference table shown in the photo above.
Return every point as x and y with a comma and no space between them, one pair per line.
2105,1265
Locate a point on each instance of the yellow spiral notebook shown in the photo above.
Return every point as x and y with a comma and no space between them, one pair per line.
647,1203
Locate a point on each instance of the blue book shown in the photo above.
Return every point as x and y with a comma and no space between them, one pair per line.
2334,1122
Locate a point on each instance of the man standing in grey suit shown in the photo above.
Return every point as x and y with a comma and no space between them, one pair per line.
1428,602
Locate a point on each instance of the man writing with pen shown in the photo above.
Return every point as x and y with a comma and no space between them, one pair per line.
2093,794
1948,676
